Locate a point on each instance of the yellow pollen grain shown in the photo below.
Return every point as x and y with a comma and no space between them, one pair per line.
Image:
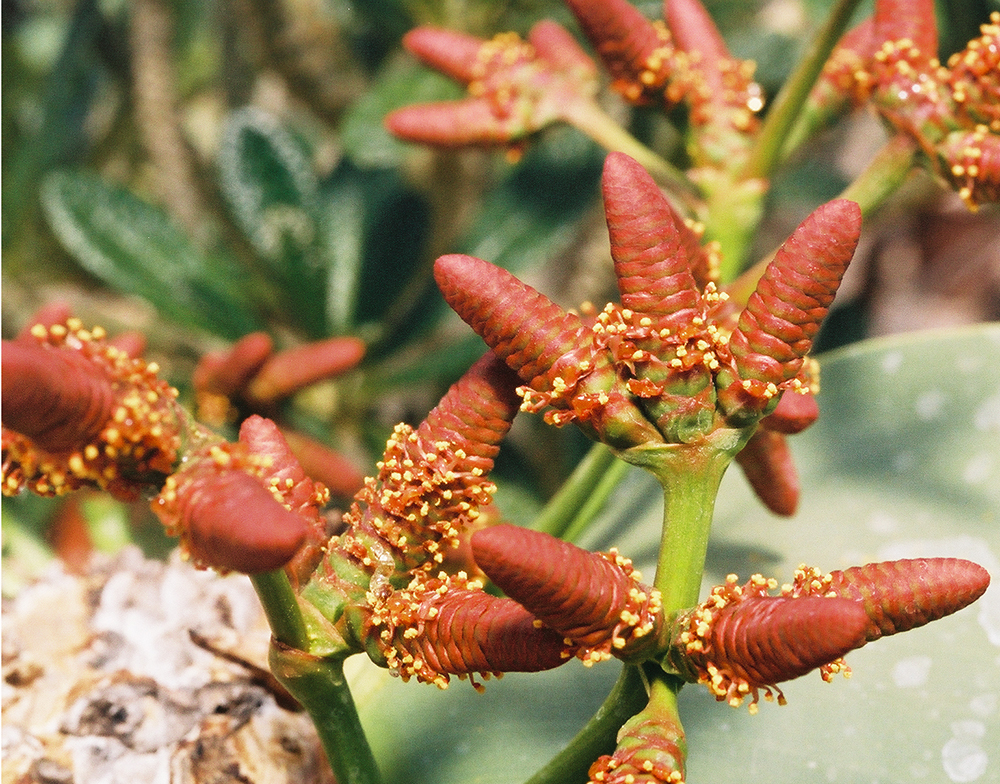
76,464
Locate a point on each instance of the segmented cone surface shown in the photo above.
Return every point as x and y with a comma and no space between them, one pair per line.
523,327
592,599
776,328
652,262
902,595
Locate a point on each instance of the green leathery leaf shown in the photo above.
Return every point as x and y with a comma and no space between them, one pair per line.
903,462
341,226
268,181
134,248
271,187
372,227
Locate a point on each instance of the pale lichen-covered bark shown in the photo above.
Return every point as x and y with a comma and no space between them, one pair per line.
104,682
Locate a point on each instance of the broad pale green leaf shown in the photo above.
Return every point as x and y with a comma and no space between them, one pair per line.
904,462
134,248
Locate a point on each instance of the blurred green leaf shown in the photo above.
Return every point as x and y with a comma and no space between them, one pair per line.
534,212
134,248
902,463
268,181
270,185
341,239
363,133
68,92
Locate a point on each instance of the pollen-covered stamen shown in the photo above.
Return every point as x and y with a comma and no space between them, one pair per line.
720,87
629,368
741,641
910,91
974,76
798,409
424,496
636,52
970,161
898,595
845,79
431,484
93,416
595,600
446,625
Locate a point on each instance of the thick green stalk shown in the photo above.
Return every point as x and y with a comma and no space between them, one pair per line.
883,176
320,687
787,105
595,502
281,607
690,475
688,504
569,511
602,128
627,697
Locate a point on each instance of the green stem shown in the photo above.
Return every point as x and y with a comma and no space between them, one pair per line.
581,496
281,607
689,501
884,175
321,688
597,737
690,475
787,105
595,502
602,128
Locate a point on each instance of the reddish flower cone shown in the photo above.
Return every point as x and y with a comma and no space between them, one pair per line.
593,600
226,515
79,412
741,641
446,626
516,87
649,372
431,485
899,595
